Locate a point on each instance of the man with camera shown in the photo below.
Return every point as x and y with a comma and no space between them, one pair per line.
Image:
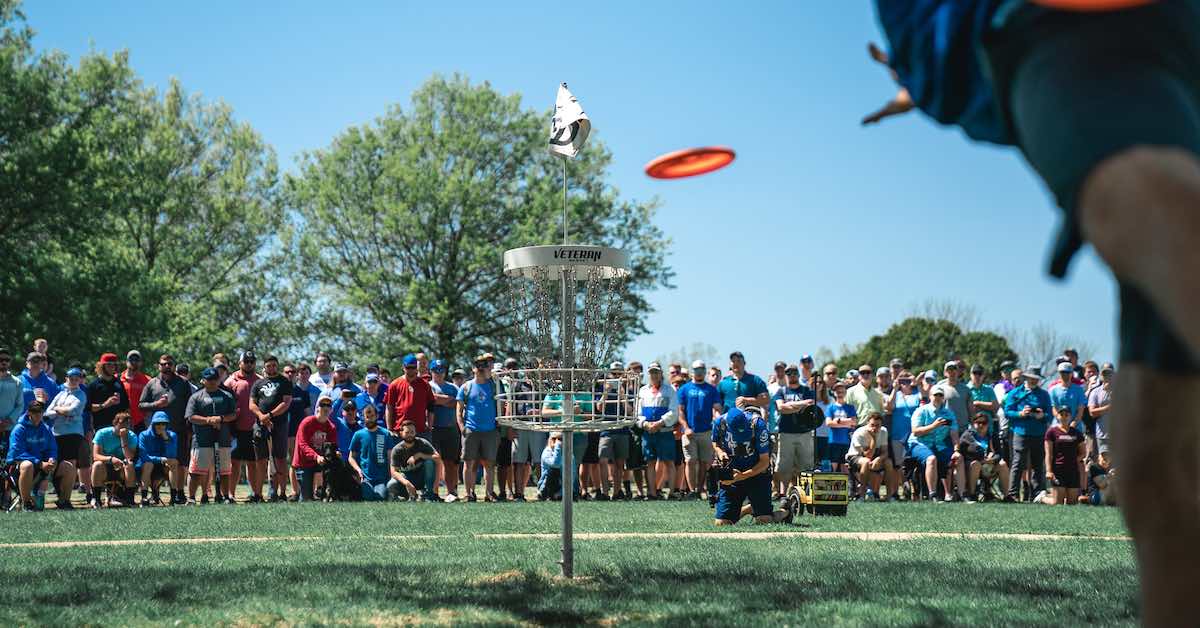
742,454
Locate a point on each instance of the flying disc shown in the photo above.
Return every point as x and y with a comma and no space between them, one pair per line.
690,162
1092,5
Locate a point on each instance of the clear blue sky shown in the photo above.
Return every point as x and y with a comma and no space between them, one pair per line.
808,239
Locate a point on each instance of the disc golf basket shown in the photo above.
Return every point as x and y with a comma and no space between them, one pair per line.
568,299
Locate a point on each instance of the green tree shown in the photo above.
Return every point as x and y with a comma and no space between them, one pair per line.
926,344
403,221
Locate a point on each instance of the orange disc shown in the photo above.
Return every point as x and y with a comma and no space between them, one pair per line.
1092,5
690,162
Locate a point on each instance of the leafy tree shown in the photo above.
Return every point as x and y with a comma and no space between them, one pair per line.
402,222
926,344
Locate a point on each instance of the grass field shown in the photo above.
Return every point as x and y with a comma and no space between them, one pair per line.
402,564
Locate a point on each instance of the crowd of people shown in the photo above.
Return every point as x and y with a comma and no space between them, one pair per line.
288,431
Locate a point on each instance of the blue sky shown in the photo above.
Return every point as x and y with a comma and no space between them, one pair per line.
821,233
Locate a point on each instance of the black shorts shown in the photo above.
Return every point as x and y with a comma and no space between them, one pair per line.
504,452
448,443
111,474
1078,88
591,454
251,444
183,449
679,452
68,446
1066,478
637,460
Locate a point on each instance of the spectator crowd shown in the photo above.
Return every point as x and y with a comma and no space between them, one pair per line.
290,431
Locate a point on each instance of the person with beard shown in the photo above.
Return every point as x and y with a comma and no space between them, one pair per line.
270,400
170,393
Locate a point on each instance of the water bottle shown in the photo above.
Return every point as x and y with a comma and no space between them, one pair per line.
40,500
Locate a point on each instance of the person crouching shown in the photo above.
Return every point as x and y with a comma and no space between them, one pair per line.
157,460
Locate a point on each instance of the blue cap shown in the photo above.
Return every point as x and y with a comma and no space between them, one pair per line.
410,360
737,419
208,373
806,358
75,372
437,365
159,417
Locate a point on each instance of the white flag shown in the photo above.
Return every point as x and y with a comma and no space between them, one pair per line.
570,126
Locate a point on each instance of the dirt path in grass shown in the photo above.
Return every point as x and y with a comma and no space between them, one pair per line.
600,536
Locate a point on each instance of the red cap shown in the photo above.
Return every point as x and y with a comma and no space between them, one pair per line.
108,357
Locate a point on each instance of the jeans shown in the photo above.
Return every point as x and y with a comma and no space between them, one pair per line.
1027,451
423,479
305,476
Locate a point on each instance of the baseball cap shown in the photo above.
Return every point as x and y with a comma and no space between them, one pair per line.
852,374
183,368
36,404
341,366
270,358
248,356
324,396
654,366
108,358
883,370
410,360
806,358
208,373
75,372
437,365
937,390
896,363
1033,371
159,417
459,372
699,364
930,375
1107,367
349,405
792,368
134,354
977,368
865,368
372,377
1060,359
1070,350
737,354
1008,365
616,366
1065,367
781,364
511,363
951,364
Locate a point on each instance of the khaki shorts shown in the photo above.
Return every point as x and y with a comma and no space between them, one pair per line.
698,446
202,460
481,445
796,453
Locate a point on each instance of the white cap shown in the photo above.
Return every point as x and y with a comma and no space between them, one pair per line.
698,364
883,370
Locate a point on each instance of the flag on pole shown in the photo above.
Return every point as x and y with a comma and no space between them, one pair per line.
570,126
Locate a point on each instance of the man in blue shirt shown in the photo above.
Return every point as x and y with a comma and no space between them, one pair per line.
369,449
157,457
1068,393
932,444
35,384
446,438
796,445
696,400
32,449
1028,412
740,389
477,411
1053,82
742,450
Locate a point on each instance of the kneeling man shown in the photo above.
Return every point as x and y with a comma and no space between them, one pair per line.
742,444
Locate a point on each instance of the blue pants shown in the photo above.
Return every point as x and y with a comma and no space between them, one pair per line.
757,489
423,478
374,492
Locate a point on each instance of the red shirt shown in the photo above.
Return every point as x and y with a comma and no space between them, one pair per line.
239,385
310,437
133,391
410,400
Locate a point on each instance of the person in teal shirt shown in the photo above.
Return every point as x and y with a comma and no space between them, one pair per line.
114,453
369,449
932,444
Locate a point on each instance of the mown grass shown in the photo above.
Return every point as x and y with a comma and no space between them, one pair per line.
350,575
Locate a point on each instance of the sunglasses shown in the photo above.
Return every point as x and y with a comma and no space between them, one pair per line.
6,359
324,404
166,364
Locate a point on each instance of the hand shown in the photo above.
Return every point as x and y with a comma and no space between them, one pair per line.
654,427
48,466
721,456
123,432
171,463
40,394
687,431
320,459
900,103
118,464
1050,476
740,403
412,461
163,401
111,401
1026,411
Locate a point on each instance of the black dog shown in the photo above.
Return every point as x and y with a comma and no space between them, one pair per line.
340,482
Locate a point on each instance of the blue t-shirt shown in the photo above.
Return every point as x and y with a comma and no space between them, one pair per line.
345,432
939,438
902,413
787,422
743,439
840,435
29,384
371,450
110,443
444,416
1071,396
480,399
730,388
698,401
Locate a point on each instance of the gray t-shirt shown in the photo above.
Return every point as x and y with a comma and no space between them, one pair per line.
1101,397
178,393
958,398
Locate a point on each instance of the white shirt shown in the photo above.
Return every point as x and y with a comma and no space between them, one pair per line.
860,441
657,405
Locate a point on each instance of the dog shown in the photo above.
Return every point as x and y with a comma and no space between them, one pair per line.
340,482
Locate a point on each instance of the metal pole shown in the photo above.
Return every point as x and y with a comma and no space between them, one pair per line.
566,332
564,165
568,474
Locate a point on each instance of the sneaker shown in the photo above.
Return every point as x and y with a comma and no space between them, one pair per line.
204,499
432,498
64,504
293,498
1009,499
893,498
967,499
519,498
602,497
471,497
229,501
502,497
450,498
1037,499
29,506
872,496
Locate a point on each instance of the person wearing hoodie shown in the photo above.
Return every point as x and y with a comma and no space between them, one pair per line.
157,460
35,383
31,448
114,452
65,414
314,432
